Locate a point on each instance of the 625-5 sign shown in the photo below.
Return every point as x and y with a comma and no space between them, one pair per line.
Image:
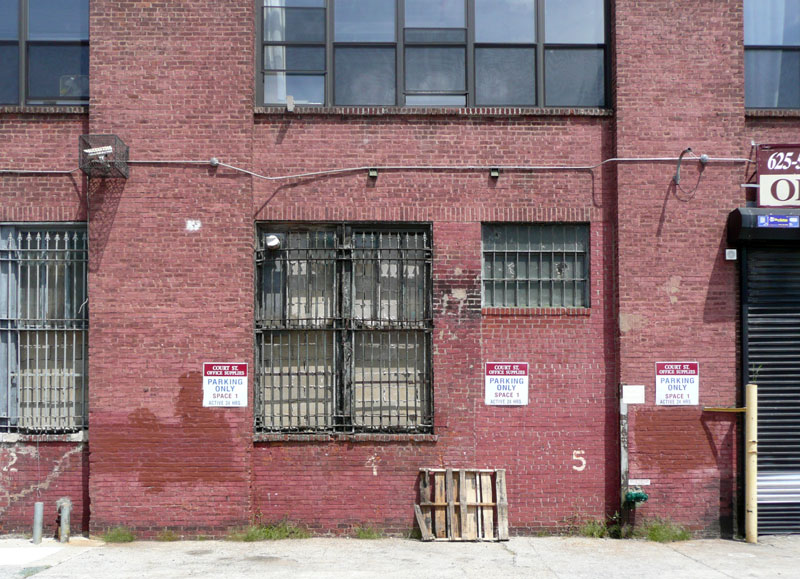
779,175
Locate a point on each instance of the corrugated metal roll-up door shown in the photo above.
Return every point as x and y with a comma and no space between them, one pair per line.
771,307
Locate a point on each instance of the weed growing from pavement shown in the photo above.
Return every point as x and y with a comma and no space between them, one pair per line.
656,529
270,532
593,529
119,535
167,535
662,531
367,533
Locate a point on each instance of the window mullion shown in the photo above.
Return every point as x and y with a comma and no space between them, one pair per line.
329,23
540,39
400,57
470,57
23,51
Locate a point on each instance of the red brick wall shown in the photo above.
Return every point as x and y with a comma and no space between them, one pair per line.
43,472
164,298
338,485
678,296
176,84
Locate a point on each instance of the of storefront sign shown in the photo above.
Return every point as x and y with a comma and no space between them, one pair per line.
779,221
778,175
506,384
224,384
677,383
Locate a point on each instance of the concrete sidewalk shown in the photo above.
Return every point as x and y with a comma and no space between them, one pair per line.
534,558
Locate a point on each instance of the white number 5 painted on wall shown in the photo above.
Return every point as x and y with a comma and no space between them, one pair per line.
577,455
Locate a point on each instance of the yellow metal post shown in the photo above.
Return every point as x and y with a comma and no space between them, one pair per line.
751,464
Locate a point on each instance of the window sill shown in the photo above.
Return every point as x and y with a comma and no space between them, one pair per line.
44,110
369,438
532,312
780,113
437,111
13,437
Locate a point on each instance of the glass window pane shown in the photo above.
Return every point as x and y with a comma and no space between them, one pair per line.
429,35
9,23
574,77
294,58
296,3
58,19
364,21
574,21
365,76
441,100
435,14
505,76
58,72
294,25
435,69
772,22
772,78
306,89
9,75
505,21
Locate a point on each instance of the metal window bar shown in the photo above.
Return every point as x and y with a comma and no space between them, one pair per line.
343,330
43,330
535,265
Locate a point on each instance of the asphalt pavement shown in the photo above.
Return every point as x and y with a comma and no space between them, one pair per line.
530,557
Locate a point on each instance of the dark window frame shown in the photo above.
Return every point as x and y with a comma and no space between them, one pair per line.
782,48
25,95
343,328
540,47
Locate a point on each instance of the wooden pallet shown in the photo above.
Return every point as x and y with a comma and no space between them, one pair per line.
462,505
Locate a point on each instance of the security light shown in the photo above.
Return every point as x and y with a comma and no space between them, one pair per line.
372,173
494,172
99,152
273,242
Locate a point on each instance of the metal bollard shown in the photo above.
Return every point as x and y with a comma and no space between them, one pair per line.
38,517
64,506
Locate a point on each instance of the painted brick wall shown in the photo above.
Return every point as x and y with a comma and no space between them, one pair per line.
43,472
677,293
166,297
176,84
339,485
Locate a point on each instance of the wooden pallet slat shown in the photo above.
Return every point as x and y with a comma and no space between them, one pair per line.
502,505
487,515
440,513
462,505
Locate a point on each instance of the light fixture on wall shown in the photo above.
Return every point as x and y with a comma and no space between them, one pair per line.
372,173
494,172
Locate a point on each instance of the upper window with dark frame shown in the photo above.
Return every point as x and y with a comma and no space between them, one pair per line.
433,52
44,52
772,54
531,265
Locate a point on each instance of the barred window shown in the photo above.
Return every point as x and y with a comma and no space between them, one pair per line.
536,265
343,329
43,329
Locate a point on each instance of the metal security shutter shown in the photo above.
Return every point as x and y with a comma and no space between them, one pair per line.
771,307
